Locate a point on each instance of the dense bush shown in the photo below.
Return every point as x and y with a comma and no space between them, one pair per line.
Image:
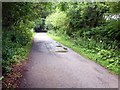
57,21
16,33
16,44
113,30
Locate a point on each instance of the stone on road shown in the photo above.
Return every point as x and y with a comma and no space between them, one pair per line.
52,65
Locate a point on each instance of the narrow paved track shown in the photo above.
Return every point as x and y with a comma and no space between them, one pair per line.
50,66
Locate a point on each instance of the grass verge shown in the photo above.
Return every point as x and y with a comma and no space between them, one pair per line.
87,53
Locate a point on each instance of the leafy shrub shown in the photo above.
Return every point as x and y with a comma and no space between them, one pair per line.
113,30
57,21
16,44
16,33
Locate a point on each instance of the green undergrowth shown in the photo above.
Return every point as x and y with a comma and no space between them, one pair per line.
105,57
16,45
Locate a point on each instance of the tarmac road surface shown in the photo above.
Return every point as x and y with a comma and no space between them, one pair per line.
52,65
